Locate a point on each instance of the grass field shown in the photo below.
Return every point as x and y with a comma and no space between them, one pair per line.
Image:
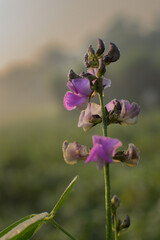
33,175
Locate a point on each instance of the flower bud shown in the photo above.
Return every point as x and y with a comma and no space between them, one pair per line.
115,203
100,48
126,223
91,59
113,54
131,156
102,68
91,53
74,152
72,75
86,60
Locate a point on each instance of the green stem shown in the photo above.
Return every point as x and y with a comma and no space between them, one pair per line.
115,227
62,229
106,177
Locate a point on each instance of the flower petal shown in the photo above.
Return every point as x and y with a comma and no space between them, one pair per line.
82,86
106,83
92,71
71,86
109,145
110,105
72,100
93,155
81,117
90,116
103,150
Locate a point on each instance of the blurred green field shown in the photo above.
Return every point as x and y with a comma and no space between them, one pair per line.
34,123
33,176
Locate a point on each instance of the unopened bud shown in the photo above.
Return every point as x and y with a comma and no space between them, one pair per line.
86,60
72,75
74,152
91,59
126,223
115,203
100,48
91,53
101,68
113,54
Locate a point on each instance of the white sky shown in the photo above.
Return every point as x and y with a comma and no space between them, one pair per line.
28,25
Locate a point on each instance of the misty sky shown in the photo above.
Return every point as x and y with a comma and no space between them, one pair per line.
26,26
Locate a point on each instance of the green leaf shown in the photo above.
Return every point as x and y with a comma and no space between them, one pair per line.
15,224
63,197
24,228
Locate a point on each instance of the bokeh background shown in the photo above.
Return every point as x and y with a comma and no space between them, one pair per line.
40,41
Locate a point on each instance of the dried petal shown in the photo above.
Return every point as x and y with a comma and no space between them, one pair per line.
74,152
131,156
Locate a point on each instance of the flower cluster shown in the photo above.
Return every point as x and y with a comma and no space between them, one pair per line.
83,88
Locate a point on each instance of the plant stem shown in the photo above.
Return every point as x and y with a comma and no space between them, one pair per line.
115,227
62,229
106,177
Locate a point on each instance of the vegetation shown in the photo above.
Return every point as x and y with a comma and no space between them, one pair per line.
34,124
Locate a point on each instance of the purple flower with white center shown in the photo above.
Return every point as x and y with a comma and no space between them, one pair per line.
121,111
105,82
90,116
81,91
103,150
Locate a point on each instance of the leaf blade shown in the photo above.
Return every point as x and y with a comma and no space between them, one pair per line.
63,197
24,228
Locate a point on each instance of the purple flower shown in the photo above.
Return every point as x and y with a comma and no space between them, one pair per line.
103,150
106,82
81,91
90,116
121,111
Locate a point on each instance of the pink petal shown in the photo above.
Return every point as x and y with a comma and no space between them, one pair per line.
93,156
93,71
72,87
108,147
81,117
82,86
106,83
72,100
111,145
110,105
